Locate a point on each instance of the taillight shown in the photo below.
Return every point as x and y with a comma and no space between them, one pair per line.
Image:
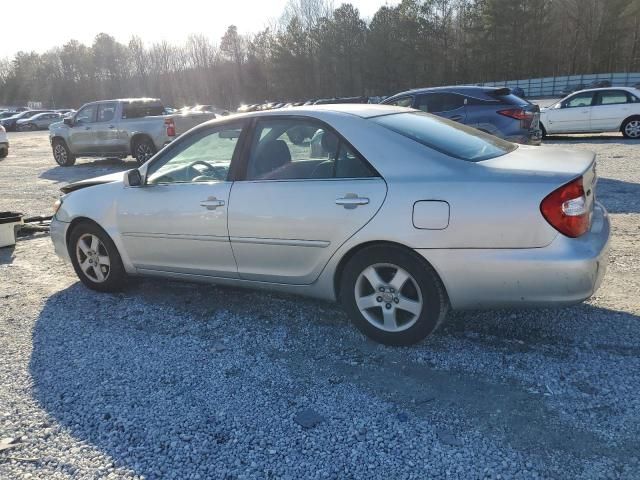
567,209
521,114
171,127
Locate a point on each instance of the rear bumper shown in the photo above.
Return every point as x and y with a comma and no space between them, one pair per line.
567,271
58,233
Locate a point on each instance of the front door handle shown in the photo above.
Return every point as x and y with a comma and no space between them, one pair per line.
351,200
212,203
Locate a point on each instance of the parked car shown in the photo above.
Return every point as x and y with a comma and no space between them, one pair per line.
118,128
209,109
10,123
4,143
65,111
385,222
40,121
615,109
7,114
569,89
493,110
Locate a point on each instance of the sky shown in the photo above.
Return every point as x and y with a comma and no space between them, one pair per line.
38,25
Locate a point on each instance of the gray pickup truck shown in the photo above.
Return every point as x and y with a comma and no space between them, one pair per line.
119,128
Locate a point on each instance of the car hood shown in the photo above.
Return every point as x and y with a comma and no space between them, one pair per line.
90,182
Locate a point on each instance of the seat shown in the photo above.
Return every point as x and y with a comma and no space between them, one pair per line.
270,157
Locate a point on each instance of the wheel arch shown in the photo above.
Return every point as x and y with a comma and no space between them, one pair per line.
635,116
337,277
77,221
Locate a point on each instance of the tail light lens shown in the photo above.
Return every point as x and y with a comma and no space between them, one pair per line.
567,209
171,127
521,114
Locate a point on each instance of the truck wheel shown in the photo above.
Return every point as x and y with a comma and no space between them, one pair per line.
61,153
143,150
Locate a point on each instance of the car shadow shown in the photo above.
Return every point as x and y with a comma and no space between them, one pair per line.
88,168
586,138
7,255
165,367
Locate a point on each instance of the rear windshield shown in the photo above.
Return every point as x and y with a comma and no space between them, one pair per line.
446,136
509,99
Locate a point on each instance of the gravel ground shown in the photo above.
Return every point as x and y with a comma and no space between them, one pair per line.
174,380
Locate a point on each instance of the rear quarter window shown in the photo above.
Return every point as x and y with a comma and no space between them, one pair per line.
445,136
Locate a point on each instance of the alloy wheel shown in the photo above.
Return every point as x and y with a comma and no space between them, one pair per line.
632,129
388,297
143,152
93,258
60,154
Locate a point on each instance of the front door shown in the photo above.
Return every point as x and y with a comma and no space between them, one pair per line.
177,221
81,134
105,135
572,115
298,202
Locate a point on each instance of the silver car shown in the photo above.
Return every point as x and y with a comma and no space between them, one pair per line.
400,215
40,121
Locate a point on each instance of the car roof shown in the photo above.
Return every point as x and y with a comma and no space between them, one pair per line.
600,89
450,88
363,110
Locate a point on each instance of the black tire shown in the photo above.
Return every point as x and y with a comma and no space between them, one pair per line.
4,152
627,132
435,304
143,150
61,153
115,277
543,130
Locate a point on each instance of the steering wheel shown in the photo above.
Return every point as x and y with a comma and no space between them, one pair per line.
212,172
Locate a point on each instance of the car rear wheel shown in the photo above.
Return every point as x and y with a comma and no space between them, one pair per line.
392,295
95,258
631,128
143,150
61,153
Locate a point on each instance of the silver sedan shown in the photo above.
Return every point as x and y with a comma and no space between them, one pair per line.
397,214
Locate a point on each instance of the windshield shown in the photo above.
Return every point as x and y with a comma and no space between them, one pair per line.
446,136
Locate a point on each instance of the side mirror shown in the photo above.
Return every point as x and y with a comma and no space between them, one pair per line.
133,178
68,121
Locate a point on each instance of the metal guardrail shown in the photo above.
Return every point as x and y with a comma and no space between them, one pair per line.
553,86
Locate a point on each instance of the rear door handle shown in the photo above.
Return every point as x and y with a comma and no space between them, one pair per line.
212,203
351,200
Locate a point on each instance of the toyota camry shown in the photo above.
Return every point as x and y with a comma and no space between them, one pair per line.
397,214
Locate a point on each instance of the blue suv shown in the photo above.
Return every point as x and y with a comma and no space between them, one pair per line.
493,110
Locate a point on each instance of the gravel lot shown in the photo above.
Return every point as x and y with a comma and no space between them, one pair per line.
173,380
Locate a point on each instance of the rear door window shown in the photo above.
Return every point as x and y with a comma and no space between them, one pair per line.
613,97
446,136
439,102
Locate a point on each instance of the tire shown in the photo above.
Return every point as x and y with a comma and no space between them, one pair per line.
543,130
143,150
383,317
61,153
631,128
4,152
85,253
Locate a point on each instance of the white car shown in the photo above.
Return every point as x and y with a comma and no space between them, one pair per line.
4,143
598,110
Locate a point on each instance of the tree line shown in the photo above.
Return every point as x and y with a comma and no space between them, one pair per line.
317,51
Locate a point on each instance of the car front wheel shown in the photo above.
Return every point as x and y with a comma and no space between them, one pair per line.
95,258
392,295
61,153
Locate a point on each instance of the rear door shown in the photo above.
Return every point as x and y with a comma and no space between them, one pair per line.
610,108
571,115
447,105
296,203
